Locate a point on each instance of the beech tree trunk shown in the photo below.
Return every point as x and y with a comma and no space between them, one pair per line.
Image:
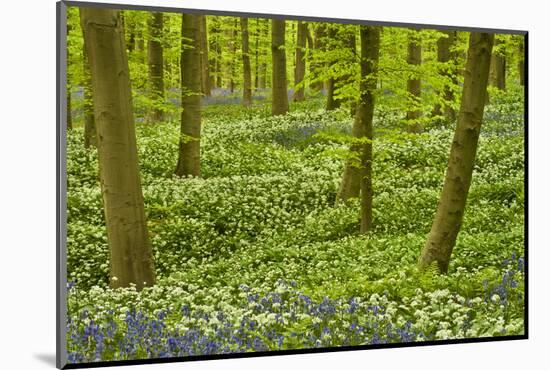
262,79
189,145
370,51
498,69
318,44
131,259
414,59
232,33
300,64
279,103
446,55
205,67
155,61
450,210
247,73
257,55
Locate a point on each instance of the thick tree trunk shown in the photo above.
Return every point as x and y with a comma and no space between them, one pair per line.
90,134
521,62
131,259
205,67
189,146
247,74
155,61
300,64
414,59
446,55
370,51
450,210
279,104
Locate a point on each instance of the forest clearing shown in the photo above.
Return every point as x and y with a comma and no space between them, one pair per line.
247,185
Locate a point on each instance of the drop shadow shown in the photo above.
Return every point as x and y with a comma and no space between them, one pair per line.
46,358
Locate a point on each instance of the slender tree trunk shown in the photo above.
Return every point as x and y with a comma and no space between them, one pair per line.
262,81
131,258
205,67
257,55
279,104
331,82
233,51
309,55
189,146
446,56
414,59
452,203
521,61
155,59
247,77
319,45
498,69
370,51
300,64
90,134
215,49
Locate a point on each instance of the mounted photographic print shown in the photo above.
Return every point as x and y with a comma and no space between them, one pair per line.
235,184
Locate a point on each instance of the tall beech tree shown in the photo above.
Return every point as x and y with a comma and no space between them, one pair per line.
414,88
247,73
279,102
447,57
155,61
450,210
190,131
300,63
131,259
370,53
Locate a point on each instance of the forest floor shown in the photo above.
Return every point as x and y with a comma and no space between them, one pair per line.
255,256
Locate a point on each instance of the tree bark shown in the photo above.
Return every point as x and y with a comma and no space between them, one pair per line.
257,55
247,74
279,103
318,44
447,56
155,61
262,80
205,66
414,59
450,210
131,259
189,145
498,69
300,64
370,51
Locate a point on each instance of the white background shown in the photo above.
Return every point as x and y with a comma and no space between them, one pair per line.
27,184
